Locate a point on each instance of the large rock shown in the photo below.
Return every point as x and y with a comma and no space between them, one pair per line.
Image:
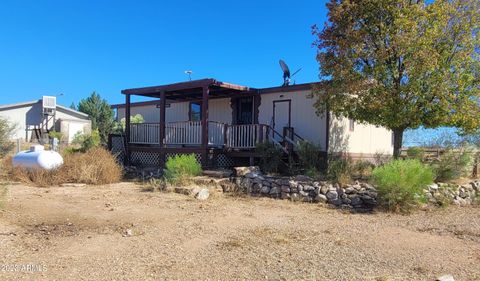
285,188
293,184
324,189
242,171
275,190
355,200
304,193
321,198
265,189
332,195
308,188
203,194
350,190
256,188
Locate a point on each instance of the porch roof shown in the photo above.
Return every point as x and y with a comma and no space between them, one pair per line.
188,90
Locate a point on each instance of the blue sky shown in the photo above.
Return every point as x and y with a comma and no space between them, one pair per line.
76,47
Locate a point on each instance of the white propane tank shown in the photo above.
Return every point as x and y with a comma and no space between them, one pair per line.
37,157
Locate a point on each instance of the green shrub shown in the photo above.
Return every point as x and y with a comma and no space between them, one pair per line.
310,157
453,164
339,170
54,134
271,157
400,183
181,167
6,130
415,153
87,141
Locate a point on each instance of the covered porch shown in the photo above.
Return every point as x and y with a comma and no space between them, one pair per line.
199,134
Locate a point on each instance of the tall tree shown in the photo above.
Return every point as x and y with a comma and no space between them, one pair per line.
101,114
401,64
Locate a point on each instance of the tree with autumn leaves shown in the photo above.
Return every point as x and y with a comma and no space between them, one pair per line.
401,64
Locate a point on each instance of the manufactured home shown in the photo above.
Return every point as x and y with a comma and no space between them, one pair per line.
221,123
33,120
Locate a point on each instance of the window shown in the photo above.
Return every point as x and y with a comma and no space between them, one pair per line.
195,112
352,125
245,111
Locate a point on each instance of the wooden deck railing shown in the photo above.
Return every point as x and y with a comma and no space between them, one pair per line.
217,133
188,133
245,136
220,134
145,133
178,133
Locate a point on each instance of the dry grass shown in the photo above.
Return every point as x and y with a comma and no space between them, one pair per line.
3,195
96,166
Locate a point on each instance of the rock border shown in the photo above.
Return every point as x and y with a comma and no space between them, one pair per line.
357,196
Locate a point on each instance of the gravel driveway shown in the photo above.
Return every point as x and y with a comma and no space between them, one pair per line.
118,232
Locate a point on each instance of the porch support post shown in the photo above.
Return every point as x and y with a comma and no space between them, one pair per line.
127,130
204,114
161,135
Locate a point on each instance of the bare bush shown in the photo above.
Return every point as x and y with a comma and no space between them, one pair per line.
6,145
96,166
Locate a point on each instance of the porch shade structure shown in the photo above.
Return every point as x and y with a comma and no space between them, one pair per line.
196,90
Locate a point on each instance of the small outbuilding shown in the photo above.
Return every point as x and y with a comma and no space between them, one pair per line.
33,120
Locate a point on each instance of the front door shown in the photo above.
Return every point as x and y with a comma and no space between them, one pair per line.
281,116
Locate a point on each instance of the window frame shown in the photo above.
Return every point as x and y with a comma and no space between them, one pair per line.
191,113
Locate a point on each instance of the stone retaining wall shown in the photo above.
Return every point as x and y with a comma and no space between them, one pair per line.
466,194
359,195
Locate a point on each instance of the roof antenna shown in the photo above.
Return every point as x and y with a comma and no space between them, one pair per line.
286,73
189,73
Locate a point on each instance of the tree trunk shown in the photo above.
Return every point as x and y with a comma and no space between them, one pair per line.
397,142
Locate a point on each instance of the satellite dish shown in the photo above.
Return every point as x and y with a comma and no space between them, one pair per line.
189,73
286,73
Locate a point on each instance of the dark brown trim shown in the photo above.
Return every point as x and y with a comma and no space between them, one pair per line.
188,87
233,106
169,87
162,119
289,112
163,150
233,92
291,88
127,129
257,100
204,116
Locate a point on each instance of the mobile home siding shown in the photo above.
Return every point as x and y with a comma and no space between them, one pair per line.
364,139
304,119
218,110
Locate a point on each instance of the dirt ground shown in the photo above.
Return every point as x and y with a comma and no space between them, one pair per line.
118,232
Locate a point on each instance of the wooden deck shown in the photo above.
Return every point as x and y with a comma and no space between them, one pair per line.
189,134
